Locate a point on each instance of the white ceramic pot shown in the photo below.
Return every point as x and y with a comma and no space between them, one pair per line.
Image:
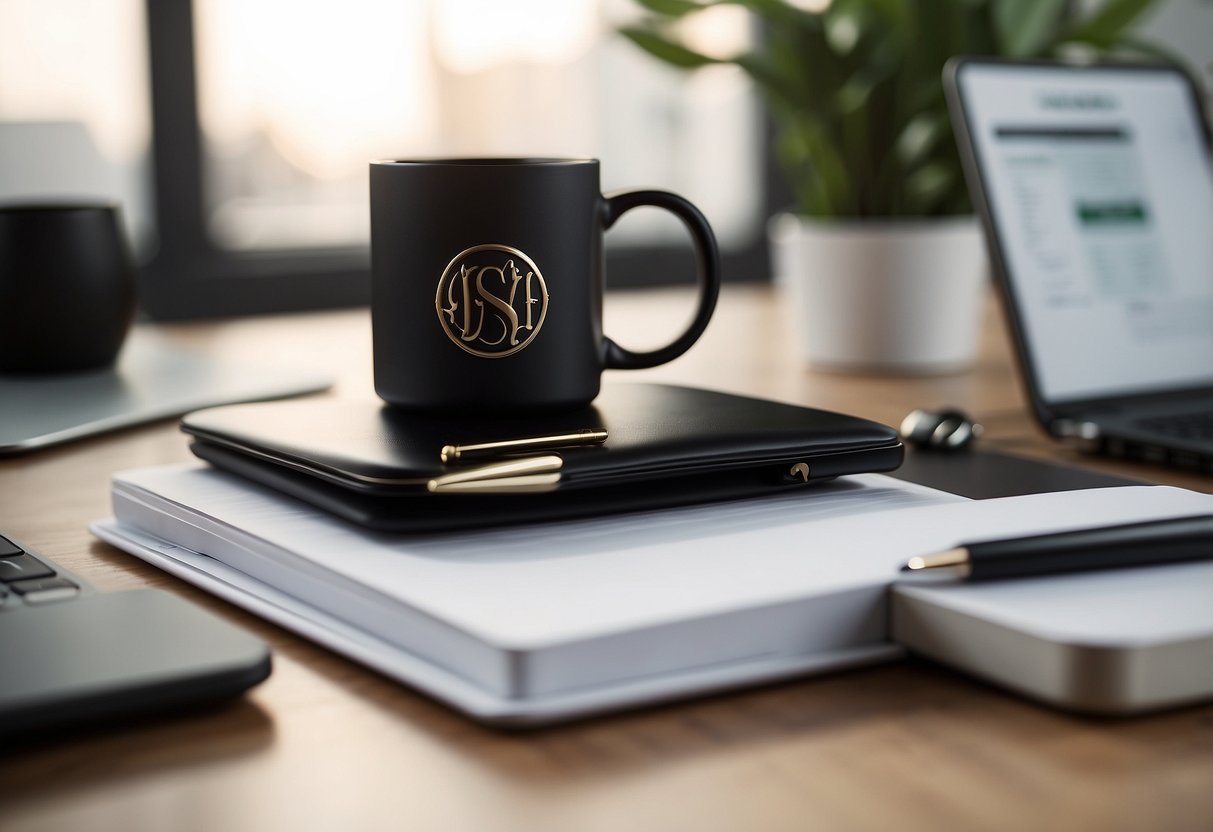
902,296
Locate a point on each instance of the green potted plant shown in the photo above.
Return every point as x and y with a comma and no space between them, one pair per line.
883,252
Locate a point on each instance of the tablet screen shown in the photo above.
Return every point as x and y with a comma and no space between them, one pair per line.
1100,189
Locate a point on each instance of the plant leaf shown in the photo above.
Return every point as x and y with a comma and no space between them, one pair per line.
897,14
920,137
780,13
782,88
820,177
664,49
929,185
844,27
1025,27
671,8
1138,47
1105,26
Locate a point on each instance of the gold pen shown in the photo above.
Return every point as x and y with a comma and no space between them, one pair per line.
506,447
526,475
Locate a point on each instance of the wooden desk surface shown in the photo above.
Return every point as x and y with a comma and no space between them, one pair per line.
325,743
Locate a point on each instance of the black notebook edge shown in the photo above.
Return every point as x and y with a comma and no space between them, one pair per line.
425,513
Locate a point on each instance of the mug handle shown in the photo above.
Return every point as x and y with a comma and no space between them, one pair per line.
707,260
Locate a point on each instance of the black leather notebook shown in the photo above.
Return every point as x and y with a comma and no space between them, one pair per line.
640,446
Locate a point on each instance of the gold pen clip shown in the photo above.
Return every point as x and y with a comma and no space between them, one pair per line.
530,475
507,447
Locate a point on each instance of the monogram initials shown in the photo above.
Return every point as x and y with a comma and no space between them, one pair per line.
491,300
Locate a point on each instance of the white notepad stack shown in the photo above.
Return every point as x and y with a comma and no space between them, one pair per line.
549,621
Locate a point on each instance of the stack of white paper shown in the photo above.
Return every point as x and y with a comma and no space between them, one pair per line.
548,621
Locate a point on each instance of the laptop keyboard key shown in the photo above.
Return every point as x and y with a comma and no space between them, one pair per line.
1197,426
22,567
48,596
37,585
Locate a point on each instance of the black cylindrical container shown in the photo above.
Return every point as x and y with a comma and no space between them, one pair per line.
67,287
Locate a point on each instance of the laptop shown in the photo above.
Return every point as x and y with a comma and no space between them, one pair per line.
71,656
1095,188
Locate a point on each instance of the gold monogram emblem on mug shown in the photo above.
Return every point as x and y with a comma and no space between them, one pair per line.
491,300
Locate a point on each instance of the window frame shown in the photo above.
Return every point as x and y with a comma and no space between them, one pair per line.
188,276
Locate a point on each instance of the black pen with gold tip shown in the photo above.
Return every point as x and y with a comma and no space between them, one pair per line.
1148,543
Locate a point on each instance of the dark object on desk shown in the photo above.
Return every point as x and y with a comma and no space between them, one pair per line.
983,474
69,655
67,287
945,430
1176,540
1111,316
668,446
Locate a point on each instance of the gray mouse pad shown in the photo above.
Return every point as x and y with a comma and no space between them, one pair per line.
154,379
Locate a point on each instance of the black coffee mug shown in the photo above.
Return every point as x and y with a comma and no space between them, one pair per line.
67,287
488,281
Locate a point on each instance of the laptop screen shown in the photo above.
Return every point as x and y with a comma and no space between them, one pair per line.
1100,188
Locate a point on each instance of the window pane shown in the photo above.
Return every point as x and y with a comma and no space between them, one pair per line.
74,117
295,99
